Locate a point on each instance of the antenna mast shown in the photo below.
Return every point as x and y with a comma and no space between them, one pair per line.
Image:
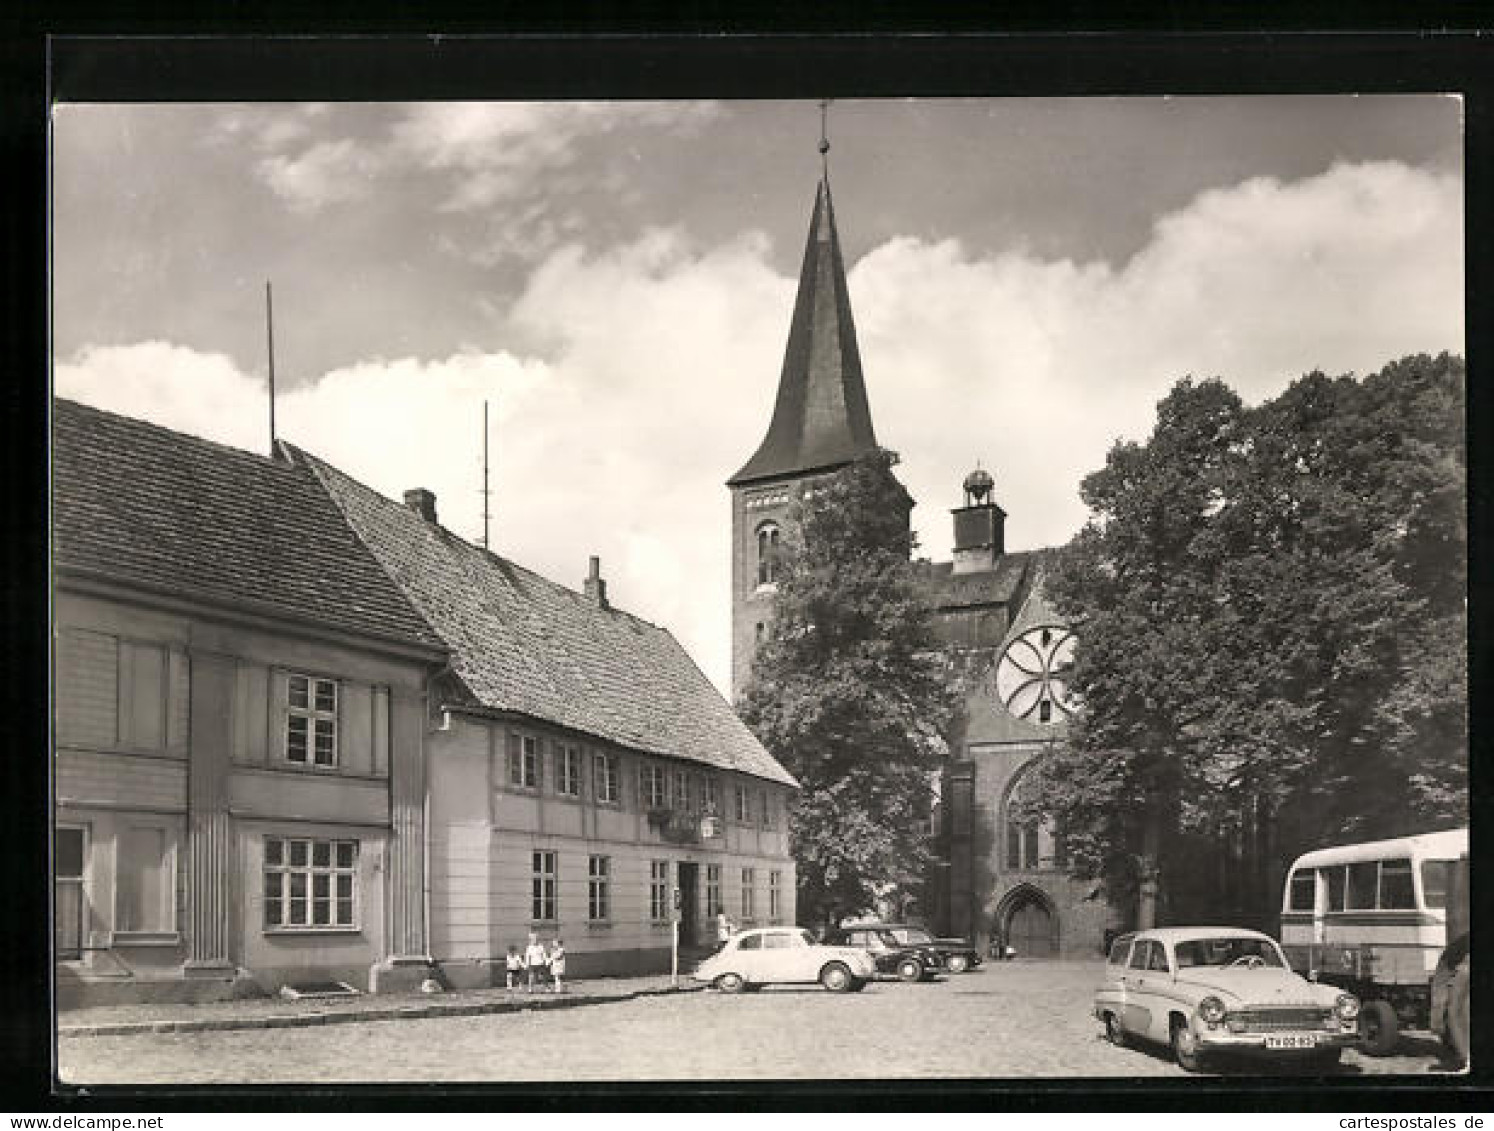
270,345
486,494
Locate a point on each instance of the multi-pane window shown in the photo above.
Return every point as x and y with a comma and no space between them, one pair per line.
599,889
775,896
310,884
69,854
568,770
652,785
311,721
749,895
767,554
658,890
710,799
542,888
523,761
681,789
766,809
744,804
713,889
605,780
145,876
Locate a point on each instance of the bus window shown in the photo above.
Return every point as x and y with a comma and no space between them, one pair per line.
1362,877
1396,892
1304,890
1335,878
1434,882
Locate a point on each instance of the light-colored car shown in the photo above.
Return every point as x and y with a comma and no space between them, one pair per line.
1207,990
768,955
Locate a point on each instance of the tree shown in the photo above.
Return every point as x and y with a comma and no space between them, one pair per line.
1271,620
848,692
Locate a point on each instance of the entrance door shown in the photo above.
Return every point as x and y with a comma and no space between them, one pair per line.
689,881
1030,930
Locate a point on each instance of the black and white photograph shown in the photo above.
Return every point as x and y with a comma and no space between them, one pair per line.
819,589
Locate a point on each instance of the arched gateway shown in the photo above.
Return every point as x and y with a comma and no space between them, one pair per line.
1028,921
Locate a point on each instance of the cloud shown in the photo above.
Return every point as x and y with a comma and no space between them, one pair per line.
658,362
329,172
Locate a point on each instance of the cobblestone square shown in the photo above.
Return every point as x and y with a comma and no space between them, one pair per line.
1006,1021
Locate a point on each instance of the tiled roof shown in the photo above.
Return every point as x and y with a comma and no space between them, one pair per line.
136,503
524,644
821,417
950,590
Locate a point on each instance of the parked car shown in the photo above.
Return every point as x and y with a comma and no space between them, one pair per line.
1209,990
911,963
959,955
770,955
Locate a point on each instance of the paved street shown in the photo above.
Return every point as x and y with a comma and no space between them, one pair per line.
1017,1020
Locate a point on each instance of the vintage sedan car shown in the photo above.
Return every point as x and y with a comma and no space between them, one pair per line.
771,955
959,955
1211,990
893,958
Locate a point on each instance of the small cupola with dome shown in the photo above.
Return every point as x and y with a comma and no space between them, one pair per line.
979,526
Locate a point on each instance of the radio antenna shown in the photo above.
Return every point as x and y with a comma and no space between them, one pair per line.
486,494
270,348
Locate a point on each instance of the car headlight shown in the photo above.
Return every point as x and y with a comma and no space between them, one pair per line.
1347,1006
1212,1010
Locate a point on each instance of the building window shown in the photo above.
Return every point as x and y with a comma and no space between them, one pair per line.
1030,844
599,889
710,795
311,721
775,896
749,896
767,810
681,789
568,770
145,887
713,889
658,890
542,888
142,695
523,761
767,554
653,786
744,804
310,884
605,778
69,852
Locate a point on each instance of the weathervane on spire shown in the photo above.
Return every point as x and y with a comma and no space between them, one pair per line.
825,136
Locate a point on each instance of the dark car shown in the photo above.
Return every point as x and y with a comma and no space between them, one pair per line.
959,955
911,963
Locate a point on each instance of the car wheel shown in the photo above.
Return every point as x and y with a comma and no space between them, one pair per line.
1455,1033
730,983
1185,1047
1114,1033
910,970
836,978
957,964
1379,1028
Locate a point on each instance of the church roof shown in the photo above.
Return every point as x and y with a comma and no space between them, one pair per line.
139,505
998,586
523,644
821,418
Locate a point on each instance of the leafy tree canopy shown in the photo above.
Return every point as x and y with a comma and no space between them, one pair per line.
1270,606
848,691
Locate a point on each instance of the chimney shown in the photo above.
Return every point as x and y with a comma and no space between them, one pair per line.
596,587
422,502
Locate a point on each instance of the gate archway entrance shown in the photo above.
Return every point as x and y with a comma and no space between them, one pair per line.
1029,923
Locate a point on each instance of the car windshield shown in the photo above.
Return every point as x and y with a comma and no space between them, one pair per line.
916,936
1226,950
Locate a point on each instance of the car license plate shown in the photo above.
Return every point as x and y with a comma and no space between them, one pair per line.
1291,1041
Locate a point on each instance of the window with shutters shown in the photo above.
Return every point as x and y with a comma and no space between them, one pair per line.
311,721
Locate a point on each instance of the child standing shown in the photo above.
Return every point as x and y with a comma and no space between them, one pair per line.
534,959
515,965
557,965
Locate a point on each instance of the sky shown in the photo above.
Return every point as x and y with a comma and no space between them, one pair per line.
615,279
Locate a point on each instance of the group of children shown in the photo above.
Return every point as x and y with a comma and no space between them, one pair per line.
531,966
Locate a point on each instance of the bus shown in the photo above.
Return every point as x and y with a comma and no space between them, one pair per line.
1373,919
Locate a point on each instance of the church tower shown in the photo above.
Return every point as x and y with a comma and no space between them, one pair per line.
821,422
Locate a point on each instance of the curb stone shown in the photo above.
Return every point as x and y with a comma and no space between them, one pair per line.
377,1013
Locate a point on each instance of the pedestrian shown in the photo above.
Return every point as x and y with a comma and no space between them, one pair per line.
724,927
557,966
515,965
534,960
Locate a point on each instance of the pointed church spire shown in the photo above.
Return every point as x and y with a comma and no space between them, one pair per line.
821,418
